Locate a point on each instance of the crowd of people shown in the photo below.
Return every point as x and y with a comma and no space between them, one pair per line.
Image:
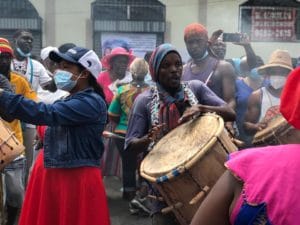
82,117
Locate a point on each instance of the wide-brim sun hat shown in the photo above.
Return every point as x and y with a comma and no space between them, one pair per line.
78,55
118,51
279,58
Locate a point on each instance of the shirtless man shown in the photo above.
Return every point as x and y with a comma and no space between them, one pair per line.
217,74
243,65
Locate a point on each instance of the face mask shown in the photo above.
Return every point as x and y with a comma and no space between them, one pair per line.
204,56
277,81
254,74
22,53
63,80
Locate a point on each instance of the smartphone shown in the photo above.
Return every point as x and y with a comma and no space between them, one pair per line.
232,37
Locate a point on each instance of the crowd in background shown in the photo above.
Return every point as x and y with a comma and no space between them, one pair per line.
145,98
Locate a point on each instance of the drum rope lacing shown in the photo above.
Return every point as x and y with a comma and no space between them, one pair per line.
155,105
277,133
11,136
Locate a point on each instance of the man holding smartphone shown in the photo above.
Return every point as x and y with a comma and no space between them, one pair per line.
217,74
243,64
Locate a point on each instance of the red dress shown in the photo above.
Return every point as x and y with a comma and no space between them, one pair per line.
64,196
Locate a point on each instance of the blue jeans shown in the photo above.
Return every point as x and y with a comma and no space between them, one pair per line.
14,182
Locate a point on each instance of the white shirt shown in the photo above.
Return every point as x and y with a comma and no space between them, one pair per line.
36,73
49,97
114,85
267,102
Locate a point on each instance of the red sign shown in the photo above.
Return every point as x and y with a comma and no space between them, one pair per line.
273,24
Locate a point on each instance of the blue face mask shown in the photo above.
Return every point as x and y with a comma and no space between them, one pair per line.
63,80
254,74
22,53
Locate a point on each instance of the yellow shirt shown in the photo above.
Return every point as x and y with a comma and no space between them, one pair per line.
22,87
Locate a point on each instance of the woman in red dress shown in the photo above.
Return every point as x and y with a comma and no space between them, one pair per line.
65,186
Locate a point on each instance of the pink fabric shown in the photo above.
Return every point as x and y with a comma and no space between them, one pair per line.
271,175
104,80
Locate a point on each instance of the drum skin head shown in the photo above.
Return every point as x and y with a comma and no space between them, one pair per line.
275,127
184,143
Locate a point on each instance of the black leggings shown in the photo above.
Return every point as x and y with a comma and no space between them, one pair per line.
129,166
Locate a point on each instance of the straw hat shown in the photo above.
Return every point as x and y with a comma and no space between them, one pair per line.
278,58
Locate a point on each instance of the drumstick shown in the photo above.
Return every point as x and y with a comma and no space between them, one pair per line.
109,134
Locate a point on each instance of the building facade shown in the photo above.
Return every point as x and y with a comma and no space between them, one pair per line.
88,22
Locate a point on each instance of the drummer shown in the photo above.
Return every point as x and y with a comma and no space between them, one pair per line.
167,104
263,103
252,193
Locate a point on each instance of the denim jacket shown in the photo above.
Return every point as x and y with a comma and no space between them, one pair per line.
73,137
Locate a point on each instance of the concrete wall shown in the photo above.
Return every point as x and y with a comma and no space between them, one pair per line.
178,15
66,21
73,22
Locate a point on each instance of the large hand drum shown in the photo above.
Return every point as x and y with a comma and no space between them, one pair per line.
10,147
274,134
186,163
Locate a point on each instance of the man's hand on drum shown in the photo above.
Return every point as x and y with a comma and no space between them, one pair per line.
190,113
154,132
258,126
261,126
230,128
252,128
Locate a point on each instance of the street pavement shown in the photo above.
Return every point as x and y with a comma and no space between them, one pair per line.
119,211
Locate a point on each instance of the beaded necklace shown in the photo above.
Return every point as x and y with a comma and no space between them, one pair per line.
155,104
